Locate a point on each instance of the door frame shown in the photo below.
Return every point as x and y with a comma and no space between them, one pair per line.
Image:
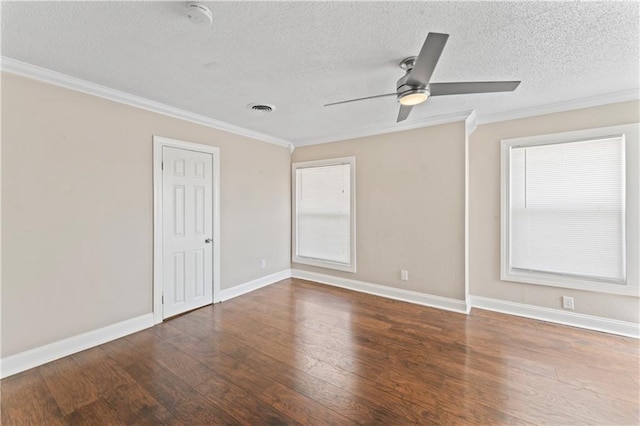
160,142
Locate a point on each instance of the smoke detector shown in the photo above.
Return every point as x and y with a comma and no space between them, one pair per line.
199,13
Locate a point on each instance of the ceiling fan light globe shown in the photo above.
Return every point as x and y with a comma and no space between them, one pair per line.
413,98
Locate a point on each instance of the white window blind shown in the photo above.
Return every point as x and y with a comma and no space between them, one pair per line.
567,209
323,213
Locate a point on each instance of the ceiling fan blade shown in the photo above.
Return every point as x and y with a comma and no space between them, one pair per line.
462,88
361,99
427,59
404,112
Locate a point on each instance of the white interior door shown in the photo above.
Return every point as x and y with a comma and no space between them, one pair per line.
187,230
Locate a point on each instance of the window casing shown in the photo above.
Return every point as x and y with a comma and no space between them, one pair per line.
323,195
570,210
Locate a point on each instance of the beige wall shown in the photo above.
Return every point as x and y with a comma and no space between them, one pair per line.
410,207
484,205
77,210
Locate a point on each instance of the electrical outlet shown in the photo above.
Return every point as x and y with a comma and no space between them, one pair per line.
263,263
567,302
404,275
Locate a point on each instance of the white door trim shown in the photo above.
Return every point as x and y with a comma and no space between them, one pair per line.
158,143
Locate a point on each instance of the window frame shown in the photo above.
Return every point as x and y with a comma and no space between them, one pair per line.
351,267
629,133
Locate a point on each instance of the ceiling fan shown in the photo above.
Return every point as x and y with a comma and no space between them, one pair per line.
414,86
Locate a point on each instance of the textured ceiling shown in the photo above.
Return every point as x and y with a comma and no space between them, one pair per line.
301,55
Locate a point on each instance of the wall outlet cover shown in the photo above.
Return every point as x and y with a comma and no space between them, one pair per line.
567,302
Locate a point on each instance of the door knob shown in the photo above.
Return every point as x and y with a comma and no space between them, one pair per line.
208,240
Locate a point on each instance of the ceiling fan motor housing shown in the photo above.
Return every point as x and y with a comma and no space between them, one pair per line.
404,89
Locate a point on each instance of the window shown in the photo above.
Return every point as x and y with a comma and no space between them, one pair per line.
565,209
324,213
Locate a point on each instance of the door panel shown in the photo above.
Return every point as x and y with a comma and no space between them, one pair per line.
187,211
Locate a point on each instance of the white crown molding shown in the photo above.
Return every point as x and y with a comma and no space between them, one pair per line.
471,123
588,102
589,322
380,130
250,286
424,299
43,354
472,120
58,79
14,66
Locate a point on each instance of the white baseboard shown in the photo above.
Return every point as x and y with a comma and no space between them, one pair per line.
250,286
384,291
41,355
34,357
589,322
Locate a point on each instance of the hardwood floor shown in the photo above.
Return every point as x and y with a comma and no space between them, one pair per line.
302,353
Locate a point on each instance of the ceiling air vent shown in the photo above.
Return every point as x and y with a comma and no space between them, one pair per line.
261,108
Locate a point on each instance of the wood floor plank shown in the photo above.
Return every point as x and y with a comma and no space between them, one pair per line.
306,386
326,393
225,365
26,399
100,370
110,384
68,384
302,408
177,396
242,405
287,369
87,414
178,362
298,352
122,351
318,390
122,399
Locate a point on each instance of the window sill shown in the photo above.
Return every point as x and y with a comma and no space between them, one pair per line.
572,283
324,264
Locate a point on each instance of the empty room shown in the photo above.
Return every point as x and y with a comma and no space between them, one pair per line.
320,213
